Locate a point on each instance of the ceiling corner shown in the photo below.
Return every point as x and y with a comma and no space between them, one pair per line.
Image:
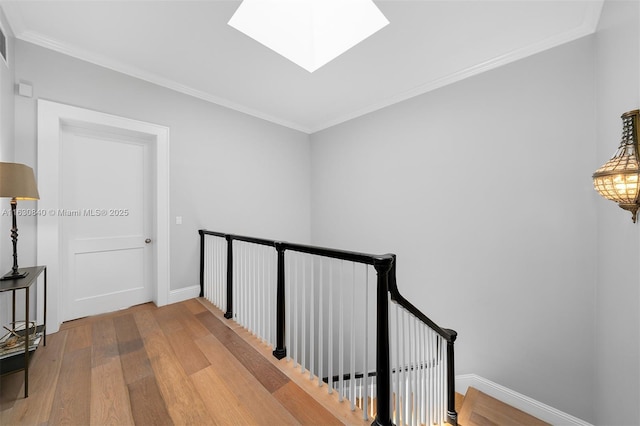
592,17
14,18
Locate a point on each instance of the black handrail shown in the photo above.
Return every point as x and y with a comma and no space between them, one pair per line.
215,234
385,266
397,297
260,241
351,256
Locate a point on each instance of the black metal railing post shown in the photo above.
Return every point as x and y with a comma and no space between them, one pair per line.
452,416
229,313
383,362
201,232
280,350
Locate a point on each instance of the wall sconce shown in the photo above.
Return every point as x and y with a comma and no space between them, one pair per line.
618,179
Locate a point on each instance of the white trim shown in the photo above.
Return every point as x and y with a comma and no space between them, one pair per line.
182,294
522,402
6,32
588,26
51,116
103,61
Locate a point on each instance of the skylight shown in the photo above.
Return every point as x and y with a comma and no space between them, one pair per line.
310,33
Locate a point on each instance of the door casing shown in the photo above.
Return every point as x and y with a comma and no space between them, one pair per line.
51,117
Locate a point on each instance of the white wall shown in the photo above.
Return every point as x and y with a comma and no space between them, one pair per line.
6,154
483,191
6,96
618,291
482,188
229,172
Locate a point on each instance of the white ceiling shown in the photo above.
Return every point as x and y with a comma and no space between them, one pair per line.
187,45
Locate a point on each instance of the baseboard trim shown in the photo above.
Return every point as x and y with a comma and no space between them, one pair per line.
182,294
522,402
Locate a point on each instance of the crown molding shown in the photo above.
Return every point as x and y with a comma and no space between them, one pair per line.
105,62
588,26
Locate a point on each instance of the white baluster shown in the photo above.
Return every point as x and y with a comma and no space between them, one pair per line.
212,277
288,306
312,319
405,362
220,277
254,290
321,286
207,267
259,289
411,368
303,335
330,331
263,295
352,364
243,283
443,378
341,336
207,275
216,284
261,298
239,299
262,278
295,281
365,361
237,283
423,376
372,393
246,284
398,407
296,307
242,301
235,267
416,371
269,297
250,291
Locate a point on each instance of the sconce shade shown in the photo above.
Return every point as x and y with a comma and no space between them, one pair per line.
618,179
18,181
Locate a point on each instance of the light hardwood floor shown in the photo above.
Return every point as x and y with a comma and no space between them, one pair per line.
480,409
181,364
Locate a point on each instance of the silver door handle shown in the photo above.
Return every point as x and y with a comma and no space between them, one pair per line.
147,241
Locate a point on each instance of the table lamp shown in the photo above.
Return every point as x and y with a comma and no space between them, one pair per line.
17,182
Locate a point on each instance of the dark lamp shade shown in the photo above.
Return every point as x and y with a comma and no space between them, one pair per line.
18,181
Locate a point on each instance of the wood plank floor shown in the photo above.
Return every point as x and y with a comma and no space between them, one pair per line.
181,364
480,409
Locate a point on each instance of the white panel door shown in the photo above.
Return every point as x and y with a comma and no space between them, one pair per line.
106,220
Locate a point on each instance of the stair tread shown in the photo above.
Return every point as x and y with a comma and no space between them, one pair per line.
459,401
480,409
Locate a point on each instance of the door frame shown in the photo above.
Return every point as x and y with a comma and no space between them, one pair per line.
51,117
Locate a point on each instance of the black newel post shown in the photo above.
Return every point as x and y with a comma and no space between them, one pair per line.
229,313
452,416
383,363
280,351
201,232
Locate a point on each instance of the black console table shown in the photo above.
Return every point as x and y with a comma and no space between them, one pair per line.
20,361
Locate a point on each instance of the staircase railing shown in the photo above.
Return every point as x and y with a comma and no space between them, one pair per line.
316,307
